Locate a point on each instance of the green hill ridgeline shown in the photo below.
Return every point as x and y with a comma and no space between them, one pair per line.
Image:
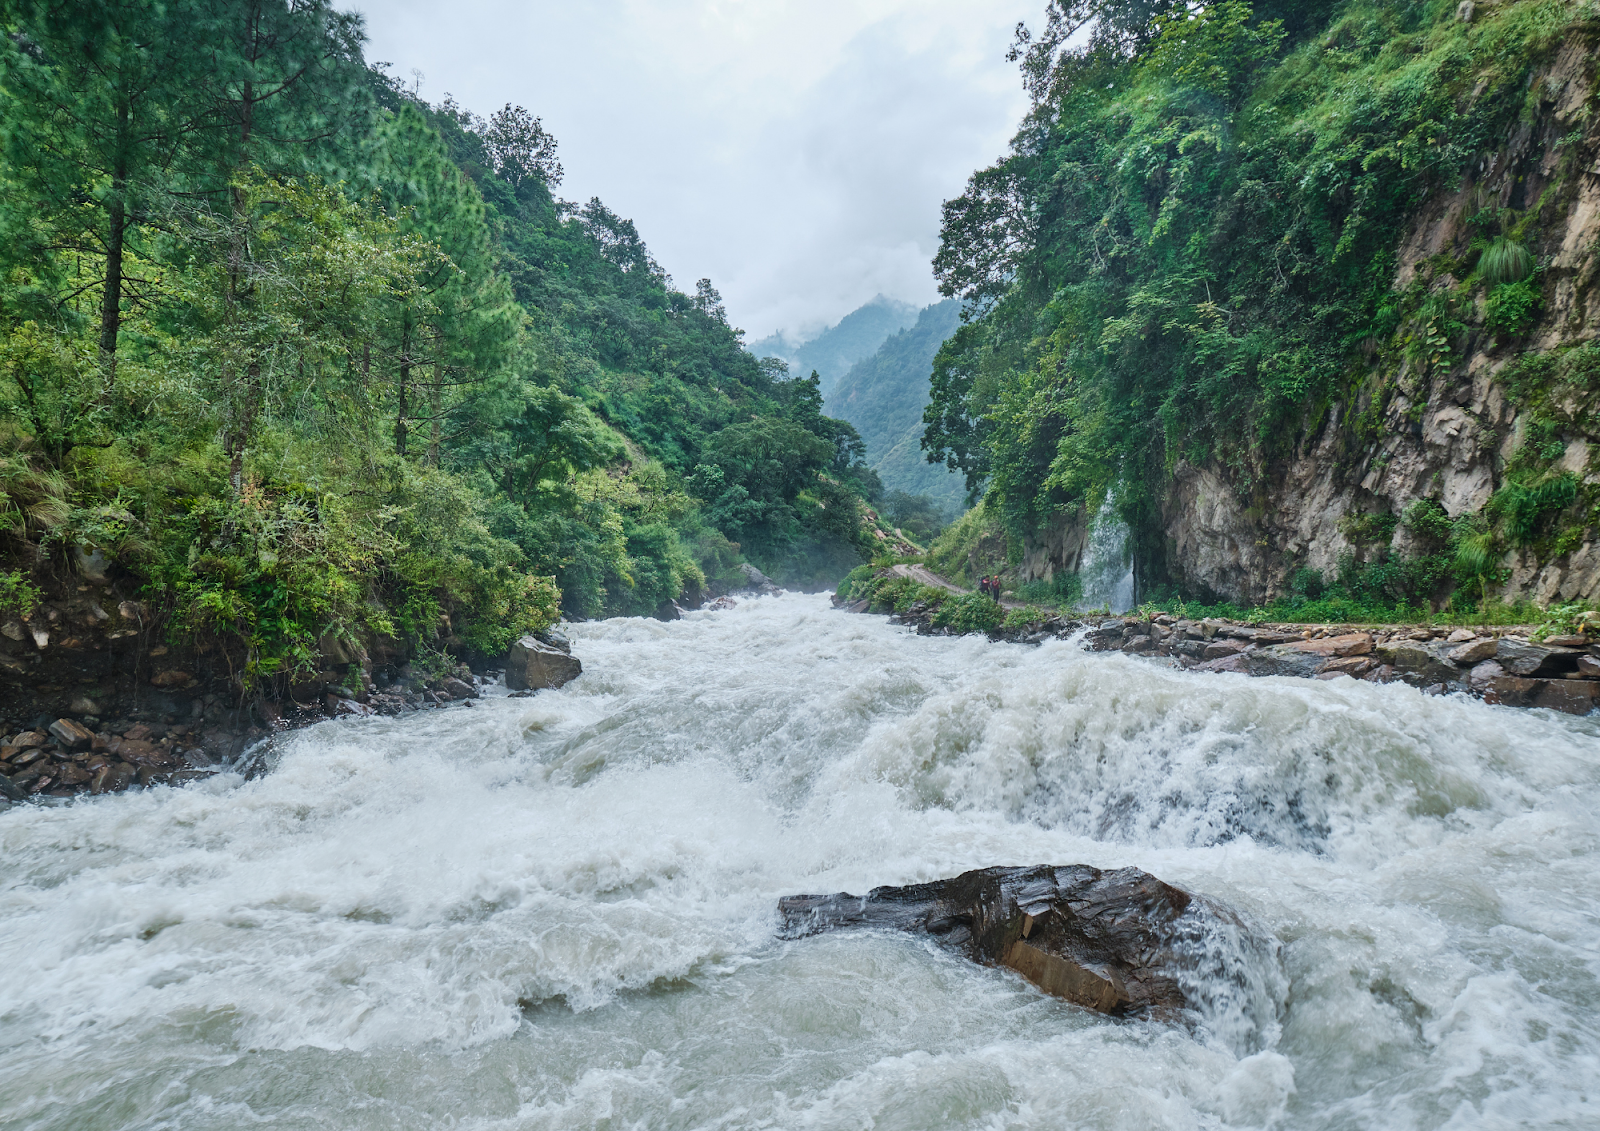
307,356
884,395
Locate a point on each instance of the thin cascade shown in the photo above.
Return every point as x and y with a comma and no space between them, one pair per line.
1107,570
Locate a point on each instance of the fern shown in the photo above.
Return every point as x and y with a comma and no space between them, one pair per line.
1524,506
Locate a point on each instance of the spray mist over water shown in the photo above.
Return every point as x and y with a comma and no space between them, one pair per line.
1107,567
559,912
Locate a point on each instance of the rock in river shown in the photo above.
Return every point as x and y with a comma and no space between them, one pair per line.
1118,942
531,663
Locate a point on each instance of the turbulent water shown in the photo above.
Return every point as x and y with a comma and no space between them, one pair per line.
558,912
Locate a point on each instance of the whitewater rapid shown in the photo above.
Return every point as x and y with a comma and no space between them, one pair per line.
559,912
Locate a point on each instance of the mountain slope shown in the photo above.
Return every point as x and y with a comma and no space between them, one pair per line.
832,352
884,395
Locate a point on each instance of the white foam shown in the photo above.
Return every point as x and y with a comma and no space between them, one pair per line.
559,911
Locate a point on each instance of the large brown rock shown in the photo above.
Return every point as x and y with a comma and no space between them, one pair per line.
1513,690
1574,696
1473,652
1350,644
72,735
1118,942
531,663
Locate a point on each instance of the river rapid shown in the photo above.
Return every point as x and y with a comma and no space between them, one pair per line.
559,911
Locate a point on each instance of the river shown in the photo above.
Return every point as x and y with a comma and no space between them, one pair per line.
558,911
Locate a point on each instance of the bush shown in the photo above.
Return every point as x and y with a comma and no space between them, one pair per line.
1512,308
1307,583
18,596
1063,591
969,612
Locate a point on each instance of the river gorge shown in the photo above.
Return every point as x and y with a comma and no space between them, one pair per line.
560,911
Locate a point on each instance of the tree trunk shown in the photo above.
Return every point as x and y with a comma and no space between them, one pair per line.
435,405
400,429
116,234
241,426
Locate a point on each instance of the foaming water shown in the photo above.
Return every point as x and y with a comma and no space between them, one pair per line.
559,912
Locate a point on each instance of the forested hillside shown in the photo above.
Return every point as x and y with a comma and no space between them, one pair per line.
307,358
1307,288
884,394
831,353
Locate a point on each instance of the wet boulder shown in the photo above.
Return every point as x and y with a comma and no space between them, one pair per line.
1525,658
532,664
1119,942
72,735
1419,662
756,581
1285,659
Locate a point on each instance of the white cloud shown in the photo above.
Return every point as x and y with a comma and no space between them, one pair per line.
797,153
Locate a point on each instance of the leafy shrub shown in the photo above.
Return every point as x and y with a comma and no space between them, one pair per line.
1569,618
1064,590
1307,583
1364,528
1427,519
18,596
969,612
852,587
1512,308
1028,615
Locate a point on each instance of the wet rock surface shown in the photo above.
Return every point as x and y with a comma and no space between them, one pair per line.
533,664
1117,942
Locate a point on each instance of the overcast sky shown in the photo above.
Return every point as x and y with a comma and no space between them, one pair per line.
796,151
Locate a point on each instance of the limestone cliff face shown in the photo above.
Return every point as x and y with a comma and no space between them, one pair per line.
1436,431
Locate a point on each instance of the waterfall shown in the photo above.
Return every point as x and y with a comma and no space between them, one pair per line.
1107,570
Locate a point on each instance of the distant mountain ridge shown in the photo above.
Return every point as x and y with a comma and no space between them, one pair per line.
884,394
832,352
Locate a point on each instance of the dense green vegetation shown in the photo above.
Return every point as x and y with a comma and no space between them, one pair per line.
884,394
1190,254
886,593
307,357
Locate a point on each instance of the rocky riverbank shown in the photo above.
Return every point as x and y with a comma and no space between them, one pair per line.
167,740
96,701
1502,665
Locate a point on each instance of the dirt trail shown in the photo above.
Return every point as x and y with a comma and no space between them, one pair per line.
926,576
